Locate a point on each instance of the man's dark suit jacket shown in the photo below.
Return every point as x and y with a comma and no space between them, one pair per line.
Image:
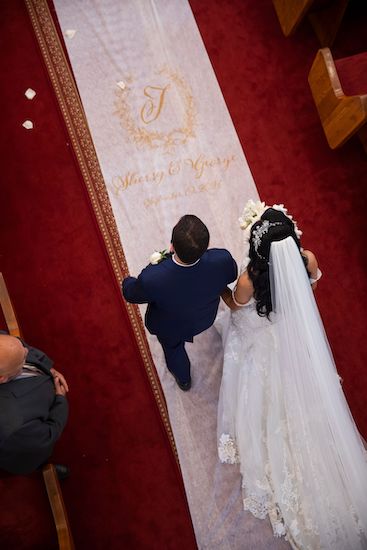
32,417
183,301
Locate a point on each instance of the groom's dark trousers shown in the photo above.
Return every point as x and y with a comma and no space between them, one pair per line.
176,357
182,301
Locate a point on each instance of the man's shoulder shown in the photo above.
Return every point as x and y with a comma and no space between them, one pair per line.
218,254
152,270
221,262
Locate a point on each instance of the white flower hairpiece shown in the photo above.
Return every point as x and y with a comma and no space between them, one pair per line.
283,209
251,213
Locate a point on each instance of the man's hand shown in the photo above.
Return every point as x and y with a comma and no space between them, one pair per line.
61,386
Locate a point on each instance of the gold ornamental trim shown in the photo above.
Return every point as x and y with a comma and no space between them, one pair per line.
74,117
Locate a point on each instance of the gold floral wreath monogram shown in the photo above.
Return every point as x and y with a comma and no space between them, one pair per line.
154,97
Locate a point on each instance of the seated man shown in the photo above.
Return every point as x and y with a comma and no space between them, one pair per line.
33,407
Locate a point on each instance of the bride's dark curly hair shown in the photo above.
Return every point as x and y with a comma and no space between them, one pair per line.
258,267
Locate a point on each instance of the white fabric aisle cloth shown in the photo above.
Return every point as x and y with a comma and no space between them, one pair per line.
167,146
213,489
162,132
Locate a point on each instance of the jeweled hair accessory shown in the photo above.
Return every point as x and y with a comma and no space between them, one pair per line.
258,234
251,214
253,211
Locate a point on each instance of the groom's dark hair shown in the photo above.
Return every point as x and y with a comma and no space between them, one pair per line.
190,238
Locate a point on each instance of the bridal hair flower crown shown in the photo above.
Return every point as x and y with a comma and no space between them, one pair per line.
253,211
251,214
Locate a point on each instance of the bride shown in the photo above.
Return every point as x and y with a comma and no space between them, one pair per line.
282,413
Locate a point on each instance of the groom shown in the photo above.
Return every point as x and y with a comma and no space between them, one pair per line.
182,292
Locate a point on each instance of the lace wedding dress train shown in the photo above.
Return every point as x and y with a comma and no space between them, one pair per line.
284,418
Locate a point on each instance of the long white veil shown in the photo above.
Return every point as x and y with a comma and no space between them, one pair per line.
323,454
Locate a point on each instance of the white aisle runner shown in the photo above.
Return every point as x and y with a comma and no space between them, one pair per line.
167,147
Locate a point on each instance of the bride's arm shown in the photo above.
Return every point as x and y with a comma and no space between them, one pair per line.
241,294
312,267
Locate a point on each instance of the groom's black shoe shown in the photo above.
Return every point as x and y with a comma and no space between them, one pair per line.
184,386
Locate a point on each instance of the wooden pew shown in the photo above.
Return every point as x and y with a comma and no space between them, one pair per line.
50,478
58,508
339,90
8,310
325,16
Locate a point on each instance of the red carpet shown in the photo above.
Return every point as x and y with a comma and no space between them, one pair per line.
125,491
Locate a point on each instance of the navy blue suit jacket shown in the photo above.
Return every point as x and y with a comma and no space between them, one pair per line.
182,301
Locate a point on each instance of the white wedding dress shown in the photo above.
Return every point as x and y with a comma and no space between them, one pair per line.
284,418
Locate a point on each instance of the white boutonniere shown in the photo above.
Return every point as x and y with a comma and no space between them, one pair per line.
157,257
